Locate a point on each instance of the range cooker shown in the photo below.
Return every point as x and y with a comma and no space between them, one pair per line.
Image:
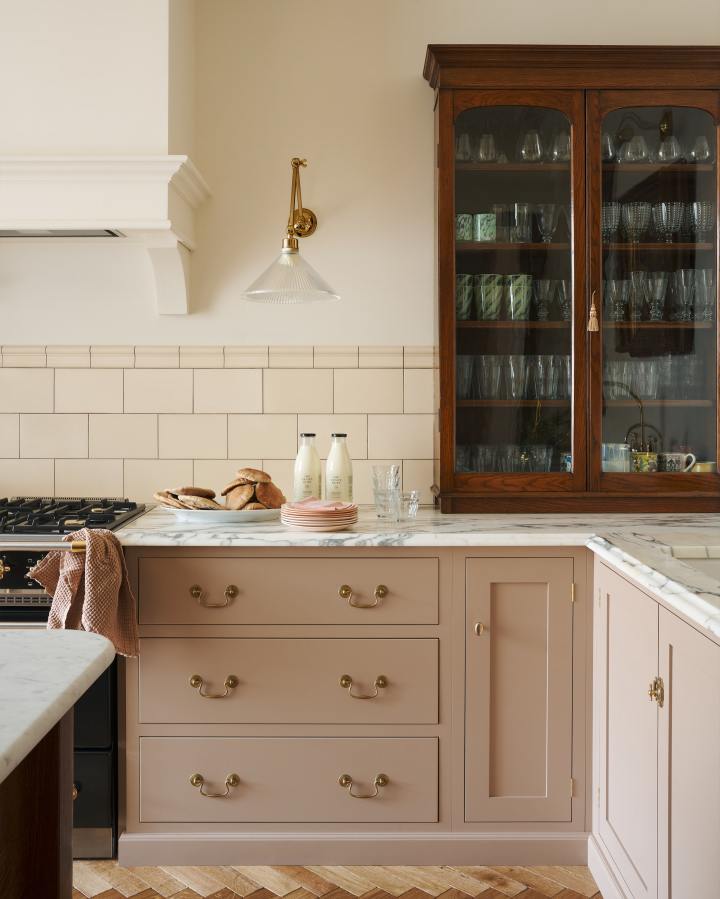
29,527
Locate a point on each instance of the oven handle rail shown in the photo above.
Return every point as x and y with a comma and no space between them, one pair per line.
74,546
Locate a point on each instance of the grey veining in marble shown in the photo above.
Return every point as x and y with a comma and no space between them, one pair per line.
42,674
639,545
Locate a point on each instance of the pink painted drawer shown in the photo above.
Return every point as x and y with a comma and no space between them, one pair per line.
288,779
202,590
289,681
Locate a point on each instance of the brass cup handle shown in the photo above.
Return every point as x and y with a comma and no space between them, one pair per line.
197,683
381,780
346,682
346,592
231,591
197,780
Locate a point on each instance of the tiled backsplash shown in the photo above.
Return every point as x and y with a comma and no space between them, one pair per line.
126,421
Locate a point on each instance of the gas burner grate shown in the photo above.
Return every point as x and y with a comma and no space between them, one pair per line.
63,515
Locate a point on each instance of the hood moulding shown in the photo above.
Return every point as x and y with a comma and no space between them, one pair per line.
150,199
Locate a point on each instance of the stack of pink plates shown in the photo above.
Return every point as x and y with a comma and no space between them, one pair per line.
319,515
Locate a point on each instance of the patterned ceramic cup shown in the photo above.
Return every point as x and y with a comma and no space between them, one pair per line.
465,297
519,293
490,295
675,461
484,226
645,463
463,226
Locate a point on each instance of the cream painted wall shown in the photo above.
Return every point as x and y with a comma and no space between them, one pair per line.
335,80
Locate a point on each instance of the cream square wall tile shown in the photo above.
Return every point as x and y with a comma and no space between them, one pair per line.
197,436
112,356
246,356
419,389
228,390
381,357
27,477
291,356
355,426
143,477
26,390
201,357
48,436
421,357
9,436
262,436
400,436
157,356
417,474
281,471
89,477
217,473
123,436
336,357
369,390
158,390
24,356
88,390
68,356
297,390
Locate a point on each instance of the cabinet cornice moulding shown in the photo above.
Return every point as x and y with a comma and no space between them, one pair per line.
151,199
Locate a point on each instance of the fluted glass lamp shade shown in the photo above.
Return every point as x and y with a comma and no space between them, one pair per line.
290,279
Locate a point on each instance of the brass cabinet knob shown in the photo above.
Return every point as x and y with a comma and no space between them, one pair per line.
196,591
231,591
75,792
381,780
479,628
346,682
345,592
196,682
197,780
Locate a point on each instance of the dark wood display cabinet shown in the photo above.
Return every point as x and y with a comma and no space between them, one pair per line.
578,266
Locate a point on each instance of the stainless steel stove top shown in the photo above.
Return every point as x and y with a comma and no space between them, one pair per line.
42,519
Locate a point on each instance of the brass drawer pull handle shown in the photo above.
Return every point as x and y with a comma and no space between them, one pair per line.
346,682
381,780
231,591
230,683
232,780
346,592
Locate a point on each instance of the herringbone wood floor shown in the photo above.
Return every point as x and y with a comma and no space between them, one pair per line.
107,880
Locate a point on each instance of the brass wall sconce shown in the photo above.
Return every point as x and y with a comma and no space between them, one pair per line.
290,279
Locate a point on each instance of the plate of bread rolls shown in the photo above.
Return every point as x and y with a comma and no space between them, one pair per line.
250,496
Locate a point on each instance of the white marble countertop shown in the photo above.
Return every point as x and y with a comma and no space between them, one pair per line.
42,674
638,545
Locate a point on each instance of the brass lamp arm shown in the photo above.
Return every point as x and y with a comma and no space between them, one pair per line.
301,222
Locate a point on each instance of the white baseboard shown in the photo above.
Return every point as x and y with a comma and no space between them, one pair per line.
600,870
353,849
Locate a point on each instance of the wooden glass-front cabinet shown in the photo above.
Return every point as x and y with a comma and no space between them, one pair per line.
577,199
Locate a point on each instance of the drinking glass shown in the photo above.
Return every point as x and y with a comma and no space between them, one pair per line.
531,148
669,150
634,150
517,375
552,377
657,284
548,217
542,289
540,457
502,222
489,370
464,296
560,151
536,377
608,151
684,284
520,223
564,298
615,298
408,503
518,296
702,217
490,289
616,457
667,219
638,294
693,376
700,151
486,149
465,377
610,220
386,477
463,226
463,147
463,459
386,488
635,219
704,294
650,378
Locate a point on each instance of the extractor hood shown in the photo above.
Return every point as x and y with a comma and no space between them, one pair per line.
150,199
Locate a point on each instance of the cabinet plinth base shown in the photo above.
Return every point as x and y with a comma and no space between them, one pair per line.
545,503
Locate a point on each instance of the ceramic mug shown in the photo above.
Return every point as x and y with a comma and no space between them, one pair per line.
705,467
566,462
645,462
675,461
484,227
463,226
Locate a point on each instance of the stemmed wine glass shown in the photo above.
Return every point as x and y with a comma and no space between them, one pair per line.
684,284
610,220
562,290
657,284
543,290
702,217
616,295
635,219
704,294
638,294
668,219
548,218
486,150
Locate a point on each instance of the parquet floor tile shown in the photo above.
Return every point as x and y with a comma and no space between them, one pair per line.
107,880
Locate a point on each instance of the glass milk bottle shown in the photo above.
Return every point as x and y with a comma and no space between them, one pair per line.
338,471
307,472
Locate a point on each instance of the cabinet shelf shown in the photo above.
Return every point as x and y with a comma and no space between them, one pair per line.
480,246
652,167
510,404
509,168
663,326
672,403
657,247
516,325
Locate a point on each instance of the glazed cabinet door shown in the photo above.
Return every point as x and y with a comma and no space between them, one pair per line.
689,758
653,191
626,725
519,625
511,269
